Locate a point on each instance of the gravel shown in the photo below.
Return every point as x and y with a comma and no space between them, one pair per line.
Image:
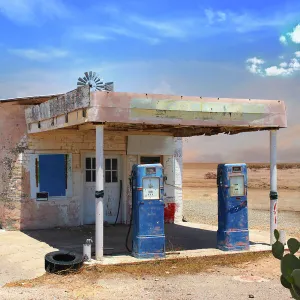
206,212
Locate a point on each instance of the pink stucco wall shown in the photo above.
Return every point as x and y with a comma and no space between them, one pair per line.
14,183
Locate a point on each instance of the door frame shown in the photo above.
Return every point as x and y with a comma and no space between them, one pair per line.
122,176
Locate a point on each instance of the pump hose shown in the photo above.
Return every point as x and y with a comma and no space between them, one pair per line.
119,202
129,229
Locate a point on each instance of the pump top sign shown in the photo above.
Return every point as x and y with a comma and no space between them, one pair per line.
151,188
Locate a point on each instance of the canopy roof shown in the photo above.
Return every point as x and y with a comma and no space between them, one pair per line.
178,115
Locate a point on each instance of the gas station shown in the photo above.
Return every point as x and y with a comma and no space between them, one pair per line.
150,189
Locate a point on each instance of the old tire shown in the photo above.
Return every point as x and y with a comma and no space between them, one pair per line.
62,262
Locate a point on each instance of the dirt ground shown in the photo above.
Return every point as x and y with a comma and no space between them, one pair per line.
255,277
198,191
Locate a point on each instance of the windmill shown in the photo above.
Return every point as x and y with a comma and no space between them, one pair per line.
95,83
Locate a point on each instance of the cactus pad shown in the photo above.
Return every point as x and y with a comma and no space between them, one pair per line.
278,250
293,245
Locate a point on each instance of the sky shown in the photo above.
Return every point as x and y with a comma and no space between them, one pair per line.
209,48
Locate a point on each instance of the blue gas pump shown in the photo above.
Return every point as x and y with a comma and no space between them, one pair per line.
233,233
148,240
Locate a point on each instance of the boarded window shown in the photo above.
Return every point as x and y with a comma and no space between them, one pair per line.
53,174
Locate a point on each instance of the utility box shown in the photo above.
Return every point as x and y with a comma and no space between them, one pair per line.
233,232
148,239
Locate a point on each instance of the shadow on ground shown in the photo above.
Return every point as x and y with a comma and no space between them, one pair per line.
177,238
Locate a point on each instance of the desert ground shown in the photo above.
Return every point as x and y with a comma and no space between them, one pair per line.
201,201
247,276
235,277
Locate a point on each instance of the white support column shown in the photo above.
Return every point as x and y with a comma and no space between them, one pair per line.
99,194
273,186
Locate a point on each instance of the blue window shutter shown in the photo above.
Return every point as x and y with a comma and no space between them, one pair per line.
52,169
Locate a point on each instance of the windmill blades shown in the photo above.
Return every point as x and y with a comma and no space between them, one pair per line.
109,86
87,76
91,75
94,75
99,87
80,80
98,81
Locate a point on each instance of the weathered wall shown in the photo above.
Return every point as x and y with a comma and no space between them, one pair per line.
13,184
66,212
17,209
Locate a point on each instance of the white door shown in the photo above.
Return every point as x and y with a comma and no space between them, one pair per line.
112,176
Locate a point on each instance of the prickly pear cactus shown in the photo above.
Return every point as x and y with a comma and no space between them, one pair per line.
290,264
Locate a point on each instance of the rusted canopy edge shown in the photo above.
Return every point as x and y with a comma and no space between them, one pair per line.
30,100
183,131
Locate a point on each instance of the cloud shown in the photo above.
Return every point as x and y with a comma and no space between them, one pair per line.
254,65
215,16
91,36
105,33
283,65
295,34
202,23
39,55
164,28
283,40
29,11
276,71
285,68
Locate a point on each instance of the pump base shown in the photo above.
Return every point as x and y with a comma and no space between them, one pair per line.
149,246
233,240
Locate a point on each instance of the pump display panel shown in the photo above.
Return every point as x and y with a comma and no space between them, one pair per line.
237,185
151,188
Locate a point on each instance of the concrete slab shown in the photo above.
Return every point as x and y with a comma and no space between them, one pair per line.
21,257
22,253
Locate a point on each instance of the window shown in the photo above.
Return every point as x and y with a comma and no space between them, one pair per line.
150,159
90,169
51,174
111,170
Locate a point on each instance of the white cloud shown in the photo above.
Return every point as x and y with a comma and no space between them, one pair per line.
255,60
29,11
39,55
169,28
295,34
276,71
215,16
109,33
91,36
297,54
283,65
203,23
254,65
284,68
294,64
283,40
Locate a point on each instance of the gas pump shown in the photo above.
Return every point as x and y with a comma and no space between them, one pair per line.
233,233
148,239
